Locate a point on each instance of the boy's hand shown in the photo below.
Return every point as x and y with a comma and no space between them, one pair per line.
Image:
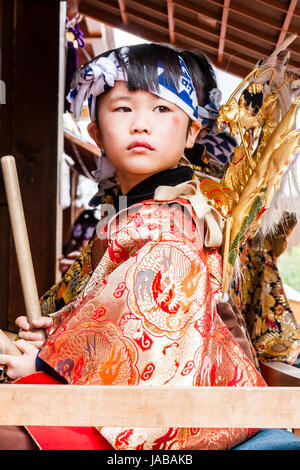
25,333
18,366
66,262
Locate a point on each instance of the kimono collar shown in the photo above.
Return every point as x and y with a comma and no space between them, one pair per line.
145,190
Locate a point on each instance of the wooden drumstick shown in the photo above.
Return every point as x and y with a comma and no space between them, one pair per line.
19,230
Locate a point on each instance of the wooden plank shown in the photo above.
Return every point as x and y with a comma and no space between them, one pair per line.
150,20
112,19
223,30
278,6
295,306
88,148
279,374
184,37
195,38
218,3
204,44
273,4
171,22
190,23
245,30
114,10
254,15
93,28
194,8
4,257
263,407
151,7
6,74
31,133
21,241
109,17
83,154
122,6
287,20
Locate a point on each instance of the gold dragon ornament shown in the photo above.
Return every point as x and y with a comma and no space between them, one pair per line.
269,141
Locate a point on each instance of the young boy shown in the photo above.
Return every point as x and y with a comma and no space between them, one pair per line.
148,314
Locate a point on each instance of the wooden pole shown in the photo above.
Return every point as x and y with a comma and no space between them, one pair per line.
21,241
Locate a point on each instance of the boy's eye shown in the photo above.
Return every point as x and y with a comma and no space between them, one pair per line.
161,109
123,109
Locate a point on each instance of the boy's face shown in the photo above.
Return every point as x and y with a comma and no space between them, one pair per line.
141,133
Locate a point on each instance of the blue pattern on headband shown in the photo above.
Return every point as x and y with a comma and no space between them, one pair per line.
186,92
102,74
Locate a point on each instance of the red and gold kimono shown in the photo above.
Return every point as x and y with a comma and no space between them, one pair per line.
148,317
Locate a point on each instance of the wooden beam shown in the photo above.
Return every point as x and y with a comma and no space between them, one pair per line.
287,20
223,30
255,15
103,12
229,66
93,28
202,42
261,407
264,37
195,9
297,12
103,7
245,30
122,6
92,40
182,38
150,20
247,46
195,38
95,10
208,30
278,6
150,7
273,4
255,51
113,20
218,3
33,136
196,25
171,21
72,8
279,374
88,149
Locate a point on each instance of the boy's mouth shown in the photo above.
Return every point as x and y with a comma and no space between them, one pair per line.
137,144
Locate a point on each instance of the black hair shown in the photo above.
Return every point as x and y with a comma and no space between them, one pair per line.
142,68
205,75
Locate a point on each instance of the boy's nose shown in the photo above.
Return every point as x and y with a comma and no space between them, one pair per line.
140,126
140,130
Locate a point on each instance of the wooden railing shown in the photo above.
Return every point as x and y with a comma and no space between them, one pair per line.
135,406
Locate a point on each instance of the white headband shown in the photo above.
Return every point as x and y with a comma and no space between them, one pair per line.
102,74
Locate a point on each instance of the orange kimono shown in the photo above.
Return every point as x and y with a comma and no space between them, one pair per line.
148,317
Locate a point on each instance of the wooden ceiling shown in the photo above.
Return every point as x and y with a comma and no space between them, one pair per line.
233,34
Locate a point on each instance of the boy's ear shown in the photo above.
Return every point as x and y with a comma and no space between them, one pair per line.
94,133
194,130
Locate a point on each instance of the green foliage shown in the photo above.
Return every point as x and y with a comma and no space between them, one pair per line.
289,267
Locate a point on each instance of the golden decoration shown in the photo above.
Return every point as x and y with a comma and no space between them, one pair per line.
221,197
268,144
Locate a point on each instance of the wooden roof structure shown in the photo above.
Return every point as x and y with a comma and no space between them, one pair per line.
234,34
